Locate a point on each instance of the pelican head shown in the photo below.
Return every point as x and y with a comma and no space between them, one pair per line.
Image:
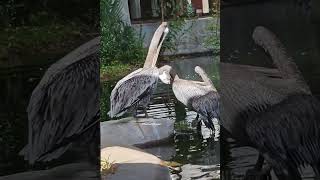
166,74
261,37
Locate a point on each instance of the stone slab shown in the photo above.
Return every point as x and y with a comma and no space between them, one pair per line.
131,131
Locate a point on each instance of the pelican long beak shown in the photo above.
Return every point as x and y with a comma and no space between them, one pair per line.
155,44
165,32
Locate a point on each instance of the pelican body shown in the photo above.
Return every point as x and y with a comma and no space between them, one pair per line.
201,97
136,88
286,134
272,110
64,106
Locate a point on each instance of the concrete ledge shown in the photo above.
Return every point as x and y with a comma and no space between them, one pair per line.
141,132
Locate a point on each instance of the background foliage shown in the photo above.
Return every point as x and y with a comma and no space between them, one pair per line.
213,41
120,43
33,27
31,12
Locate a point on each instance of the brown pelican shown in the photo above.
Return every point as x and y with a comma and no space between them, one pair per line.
136,88
64,105
272,110
201,97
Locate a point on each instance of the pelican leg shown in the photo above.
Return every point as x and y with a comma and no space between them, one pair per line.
197,118
197,123
259,163
199,126
213,128
135,113
258,172
145,112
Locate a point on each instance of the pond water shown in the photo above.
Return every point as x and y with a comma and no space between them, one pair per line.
301,39
187,147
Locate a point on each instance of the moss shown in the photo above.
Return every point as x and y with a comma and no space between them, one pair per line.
107,167
172,164
116,71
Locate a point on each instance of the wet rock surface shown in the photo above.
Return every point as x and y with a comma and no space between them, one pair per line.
131,131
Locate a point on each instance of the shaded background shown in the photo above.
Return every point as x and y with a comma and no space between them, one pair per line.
33,35
296,26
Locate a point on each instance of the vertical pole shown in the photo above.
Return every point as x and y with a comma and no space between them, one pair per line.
162,11
205,6
125,12
217,16
135,8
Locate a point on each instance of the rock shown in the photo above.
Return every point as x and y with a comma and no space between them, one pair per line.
134,164
140,132
203,172
175,177
74,171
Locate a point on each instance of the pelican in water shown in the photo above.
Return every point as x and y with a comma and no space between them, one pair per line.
199,96
136,88
64,106
273,111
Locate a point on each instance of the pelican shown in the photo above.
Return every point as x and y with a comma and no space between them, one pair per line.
273,111
136,88
64,105
201,97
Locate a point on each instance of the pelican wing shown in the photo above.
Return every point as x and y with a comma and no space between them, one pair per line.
64,103
207,105
292,128
186,90
131,89
245,86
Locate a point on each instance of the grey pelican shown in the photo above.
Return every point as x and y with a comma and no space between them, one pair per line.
273,111
136,88
64,105
201,97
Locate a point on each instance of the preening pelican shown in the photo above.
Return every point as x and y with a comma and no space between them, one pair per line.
272,110
201,97
136,88
64,105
